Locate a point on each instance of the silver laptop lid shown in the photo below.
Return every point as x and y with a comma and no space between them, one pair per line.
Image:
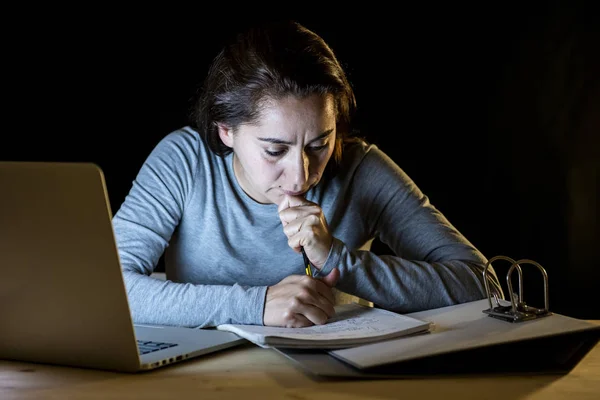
55,233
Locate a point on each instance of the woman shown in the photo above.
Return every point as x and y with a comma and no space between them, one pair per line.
269,170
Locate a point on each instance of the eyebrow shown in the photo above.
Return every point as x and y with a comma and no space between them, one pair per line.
279,141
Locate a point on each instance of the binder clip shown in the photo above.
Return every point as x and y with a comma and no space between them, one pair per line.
517,311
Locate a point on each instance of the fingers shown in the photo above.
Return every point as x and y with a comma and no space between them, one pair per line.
301,232
324,290
305,230
292,201
295,225
320,305
295,207
316,293
316,298
298,321
307,315
298,300
294,214
305,225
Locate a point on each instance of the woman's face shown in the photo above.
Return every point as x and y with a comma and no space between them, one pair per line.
287,150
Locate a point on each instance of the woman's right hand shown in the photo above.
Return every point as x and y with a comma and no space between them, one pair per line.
300,300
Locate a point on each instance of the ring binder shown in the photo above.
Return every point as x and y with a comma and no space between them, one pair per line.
518,310
465,339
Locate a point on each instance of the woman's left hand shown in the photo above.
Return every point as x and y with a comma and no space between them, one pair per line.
305,226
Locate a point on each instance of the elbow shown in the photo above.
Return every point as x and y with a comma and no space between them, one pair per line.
486,280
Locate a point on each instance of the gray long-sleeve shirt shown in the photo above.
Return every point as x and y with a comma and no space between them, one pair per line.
223,249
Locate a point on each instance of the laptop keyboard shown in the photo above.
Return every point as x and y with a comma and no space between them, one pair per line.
146,346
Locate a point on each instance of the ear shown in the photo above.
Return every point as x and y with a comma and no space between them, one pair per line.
226,134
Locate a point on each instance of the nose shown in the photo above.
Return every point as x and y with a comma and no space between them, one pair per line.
299,171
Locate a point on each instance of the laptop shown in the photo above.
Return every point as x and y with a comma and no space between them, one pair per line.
62,296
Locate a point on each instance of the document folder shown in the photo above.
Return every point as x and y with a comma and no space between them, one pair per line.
466,338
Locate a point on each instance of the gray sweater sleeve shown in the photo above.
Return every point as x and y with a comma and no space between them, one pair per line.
143,227
433,265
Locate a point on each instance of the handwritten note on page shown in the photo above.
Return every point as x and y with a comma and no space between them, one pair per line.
352,325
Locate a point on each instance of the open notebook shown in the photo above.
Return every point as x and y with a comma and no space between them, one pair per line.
352,325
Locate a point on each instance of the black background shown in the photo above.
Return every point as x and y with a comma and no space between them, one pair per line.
492,109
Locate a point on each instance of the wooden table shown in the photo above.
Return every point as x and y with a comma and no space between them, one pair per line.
251,372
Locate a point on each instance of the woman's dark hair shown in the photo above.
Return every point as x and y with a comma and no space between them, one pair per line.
266,63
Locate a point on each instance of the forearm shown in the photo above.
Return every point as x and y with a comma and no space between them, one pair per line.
403,285
157,302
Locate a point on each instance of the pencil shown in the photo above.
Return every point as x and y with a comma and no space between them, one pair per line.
307,268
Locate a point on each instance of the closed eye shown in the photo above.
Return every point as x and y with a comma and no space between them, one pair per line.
278,153
274,153
317,148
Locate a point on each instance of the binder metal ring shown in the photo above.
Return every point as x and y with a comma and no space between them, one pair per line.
518,310
487,284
